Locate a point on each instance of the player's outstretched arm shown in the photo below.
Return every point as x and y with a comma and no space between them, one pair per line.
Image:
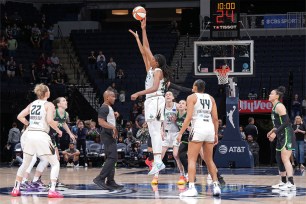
141,49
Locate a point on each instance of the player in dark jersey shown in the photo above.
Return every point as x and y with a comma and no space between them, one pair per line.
285,139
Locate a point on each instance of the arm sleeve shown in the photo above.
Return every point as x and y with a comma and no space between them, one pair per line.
286,123
179,88
103,112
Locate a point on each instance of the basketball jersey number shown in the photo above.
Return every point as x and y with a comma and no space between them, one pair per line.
35,110
205,103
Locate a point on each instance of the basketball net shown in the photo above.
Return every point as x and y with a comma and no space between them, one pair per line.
222,75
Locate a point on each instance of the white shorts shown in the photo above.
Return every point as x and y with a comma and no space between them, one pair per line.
39,143
170,139
202,132
23,138
154,108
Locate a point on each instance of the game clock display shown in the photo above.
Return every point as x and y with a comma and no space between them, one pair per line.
225,16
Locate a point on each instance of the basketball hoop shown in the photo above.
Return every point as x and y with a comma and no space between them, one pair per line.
222,75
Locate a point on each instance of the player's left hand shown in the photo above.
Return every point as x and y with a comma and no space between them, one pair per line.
116,114
134,96
179,138
272,136
216,140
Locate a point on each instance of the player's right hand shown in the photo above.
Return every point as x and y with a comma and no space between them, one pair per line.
134,33
60,133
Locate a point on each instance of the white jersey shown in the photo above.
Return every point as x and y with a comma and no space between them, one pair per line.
38,116
149,83
170,119
202,110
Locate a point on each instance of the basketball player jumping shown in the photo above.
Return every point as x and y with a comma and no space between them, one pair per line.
38,141
158,73
284,134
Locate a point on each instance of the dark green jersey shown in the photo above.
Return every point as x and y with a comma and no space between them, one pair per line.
179,122
60,120
276,119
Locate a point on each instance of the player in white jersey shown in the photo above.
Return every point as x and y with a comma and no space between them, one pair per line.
203,115
158,73
37,140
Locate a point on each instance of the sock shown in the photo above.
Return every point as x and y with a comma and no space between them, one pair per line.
186,175
35,179
17,185
284,179
191,185
151,156
24,180
156,175
53,185
157,158
290,179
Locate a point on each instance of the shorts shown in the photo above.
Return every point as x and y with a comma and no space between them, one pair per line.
23,138
39,143
202,132
285,139
154,108
170,139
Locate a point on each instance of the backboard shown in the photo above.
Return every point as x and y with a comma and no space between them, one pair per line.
211,55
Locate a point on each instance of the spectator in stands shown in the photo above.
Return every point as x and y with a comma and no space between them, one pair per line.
220,129
41,60
11,67
55,60
15,31
101,61
71,156
45,40
251,128
34,73
8,31
304,109
242,132
143,134
111,69
112,87
254,148
140,120
129,128
35,39
12,46
51,37
81,140
3,46
43,75
121,140
296,106
122,96
43,20
120,74
134,151
252,95
93,132
92,61
13,138
2,66
35,29
20,71
63,76
134,112
300,132
130,138
74,128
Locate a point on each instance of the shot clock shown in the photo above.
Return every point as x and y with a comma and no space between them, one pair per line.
225,17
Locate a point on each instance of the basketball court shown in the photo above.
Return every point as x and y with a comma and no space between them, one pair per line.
243,185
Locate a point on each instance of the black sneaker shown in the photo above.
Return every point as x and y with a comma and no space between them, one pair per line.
102,184
114,185
221,181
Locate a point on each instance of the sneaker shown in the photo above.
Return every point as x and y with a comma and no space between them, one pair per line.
15,192
191,192
115,185
38,185
54,194
277,186
76,166
302,167
288,187
59,184
216,189
102,184
157,166
181,188
182,180
221,181
154,180
86,165
25,185
209,177
149,163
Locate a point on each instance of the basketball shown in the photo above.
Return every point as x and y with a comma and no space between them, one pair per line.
139,13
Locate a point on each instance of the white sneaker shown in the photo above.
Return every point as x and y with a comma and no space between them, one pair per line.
208,177
276,186
157,166
191,192
86,165
288,187
216,189
209,180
